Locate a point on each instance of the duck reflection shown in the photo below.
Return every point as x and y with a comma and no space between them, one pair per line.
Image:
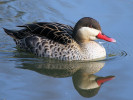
85,82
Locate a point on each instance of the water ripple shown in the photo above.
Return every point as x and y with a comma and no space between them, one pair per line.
114,52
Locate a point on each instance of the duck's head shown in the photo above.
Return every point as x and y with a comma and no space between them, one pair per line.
88,29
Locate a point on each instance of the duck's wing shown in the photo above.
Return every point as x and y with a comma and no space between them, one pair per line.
55,31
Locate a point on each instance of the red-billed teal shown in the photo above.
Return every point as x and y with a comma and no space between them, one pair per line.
55,40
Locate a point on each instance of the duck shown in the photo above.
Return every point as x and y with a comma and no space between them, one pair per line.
60,41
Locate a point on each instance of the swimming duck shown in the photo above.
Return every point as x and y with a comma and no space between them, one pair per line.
60,41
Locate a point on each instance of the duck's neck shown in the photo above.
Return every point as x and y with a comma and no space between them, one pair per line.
92,50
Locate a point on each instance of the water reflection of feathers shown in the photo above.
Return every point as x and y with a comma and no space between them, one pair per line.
84,81
63,69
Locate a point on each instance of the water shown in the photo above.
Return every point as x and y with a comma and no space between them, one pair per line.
26,77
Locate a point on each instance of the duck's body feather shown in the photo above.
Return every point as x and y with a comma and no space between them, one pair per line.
52,40
44,47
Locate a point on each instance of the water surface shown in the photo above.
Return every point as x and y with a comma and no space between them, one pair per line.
26,77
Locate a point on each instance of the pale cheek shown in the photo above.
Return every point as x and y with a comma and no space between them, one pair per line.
93,32
84,36
93,38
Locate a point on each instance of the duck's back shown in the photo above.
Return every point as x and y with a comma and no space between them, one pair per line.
55,31
52,40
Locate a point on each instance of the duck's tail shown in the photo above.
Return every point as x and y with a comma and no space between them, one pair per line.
11,33
16,34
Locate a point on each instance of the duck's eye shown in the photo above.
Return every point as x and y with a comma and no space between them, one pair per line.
92,26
